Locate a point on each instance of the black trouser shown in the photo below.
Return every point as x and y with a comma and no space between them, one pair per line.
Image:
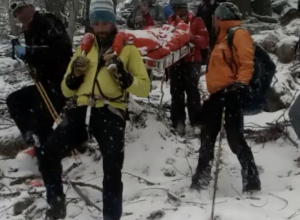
234,125
30,113
185,78
108,129
294,114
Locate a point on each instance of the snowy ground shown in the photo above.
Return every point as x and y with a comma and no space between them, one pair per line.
164,160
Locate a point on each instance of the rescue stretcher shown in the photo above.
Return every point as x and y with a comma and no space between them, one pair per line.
173,57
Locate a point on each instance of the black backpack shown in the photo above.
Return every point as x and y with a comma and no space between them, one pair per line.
264,71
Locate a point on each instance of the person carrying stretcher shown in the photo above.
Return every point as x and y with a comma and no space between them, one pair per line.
101,81
147,14
185,74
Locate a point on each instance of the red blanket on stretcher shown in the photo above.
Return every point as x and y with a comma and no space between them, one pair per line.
155,43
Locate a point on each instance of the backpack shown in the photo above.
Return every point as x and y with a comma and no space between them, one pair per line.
260,83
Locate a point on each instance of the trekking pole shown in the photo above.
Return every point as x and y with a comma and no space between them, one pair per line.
219,153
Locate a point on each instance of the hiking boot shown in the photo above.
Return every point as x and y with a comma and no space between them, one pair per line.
180,129
251,183
57,208
200,181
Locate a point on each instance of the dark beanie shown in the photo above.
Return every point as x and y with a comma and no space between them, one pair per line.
228,11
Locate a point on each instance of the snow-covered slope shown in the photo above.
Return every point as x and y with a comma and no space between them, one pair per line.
157,176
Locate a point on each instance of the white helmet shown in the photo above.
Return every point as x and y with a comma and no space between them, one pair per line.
15,4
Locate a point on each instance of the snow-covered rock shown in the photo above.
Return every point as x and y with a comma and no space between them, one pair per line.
279,5
269,42
293,28
256,28
288,15
286,49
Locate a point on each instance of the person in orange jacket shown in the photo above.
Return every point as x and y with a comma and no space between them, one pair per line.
185,74
227,86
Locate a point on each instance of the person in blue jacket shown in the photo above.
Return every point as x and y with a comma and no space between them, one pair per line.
168,11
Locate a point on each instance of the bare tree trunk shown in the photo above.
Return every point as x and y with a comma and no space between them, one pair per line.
115,5
88,28
13,27
74,9
262,7
56,7
244,6
14,30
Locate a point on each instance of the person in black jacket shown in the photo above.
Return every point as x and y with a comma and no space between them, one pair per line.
205,11
47,52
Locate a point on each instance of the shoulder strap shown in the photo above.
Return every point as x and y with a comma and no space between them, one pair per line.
230,35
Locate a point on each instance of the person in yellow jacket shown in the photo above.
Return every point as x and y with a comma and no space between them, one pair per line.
104,93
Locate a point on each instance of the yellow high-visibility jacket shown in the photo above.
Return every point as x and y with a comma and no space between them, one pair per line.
132,62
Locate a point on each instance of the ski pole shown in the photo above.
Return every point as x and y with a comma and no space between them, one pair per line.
219,154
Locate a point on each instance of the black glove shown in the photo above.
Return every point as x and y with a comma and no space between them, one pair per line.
237,91
124,78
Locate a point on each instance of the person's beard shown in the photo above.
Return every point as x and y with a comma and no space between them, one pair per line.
105,37
103,34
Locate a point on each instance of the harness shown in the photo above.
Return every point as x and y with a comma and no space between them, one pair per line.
92,98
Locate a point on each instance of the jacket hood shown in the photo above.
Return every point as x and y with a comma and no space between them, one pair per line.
224,26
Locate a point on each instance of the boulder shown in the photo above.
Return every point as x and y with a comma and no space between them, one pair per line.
279,5
11,145
286,49
293,28
274,102
270,42
289,14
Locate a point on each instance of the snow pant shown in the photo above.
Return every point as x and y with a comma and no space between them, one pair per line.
185,79
30,113
234,125
108,128
294,114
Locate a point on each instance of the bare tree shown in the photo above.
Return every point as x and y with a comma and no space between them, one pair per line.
87,17
244,6
262,7
57,7
12,21
74,10
12,24
115,5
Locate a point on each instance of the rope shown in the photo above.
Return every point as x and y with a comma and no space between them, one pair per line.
48,102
